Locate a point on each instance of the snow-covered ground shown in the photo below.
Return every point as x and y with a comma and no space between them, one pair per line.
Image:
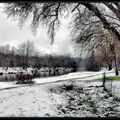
85,100
82,76
29,101
45,98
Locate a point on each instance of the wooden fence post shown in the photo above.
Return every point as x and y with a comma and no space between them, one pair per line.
104,81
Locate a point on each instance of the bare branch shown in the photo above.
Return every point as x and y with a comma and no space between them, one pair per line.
118,5
112,17
75,7
113,9
106,24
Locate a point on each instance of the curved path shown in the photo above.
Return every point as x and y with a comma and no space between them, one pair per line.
36,100
79,76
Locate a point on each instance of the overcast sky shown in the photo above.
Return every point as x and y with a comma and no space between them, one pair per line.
10,33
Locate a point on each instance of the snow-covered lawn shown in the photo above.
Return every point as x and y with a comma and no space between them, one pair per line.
87,99
48,97
84,100
79,76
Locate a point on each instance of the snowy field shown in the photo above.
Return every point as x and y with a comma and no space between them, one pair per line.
49,97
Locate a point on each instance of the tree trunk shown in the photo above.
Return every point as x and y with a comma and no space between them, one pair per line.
109,67
112,48
109,64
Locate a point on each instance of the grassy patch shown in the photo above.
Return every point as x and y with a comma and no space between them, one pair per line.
113,78
110,78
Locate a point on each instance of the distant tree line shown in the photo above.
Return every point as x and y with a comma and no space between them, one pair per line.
25,56
54,61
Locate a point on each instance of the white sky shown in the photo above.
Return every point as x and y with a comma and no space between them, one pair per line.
10,33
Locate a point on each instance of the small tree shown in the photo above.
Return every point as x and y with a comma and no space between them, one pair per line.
25,50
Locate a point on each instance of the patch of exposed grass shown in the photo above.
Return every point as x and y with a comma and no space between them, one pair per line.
113,78
110,78
99,79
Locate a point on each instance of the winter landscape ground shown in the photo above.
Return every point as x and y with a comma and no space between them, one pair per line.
48,53
77,94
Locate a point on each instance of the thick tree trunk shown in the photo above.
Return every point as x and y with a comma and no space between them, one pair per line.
112,48
109,64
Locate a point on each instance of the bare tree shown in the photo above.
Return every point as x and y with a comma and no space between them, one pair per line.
89,33
26,50
49,13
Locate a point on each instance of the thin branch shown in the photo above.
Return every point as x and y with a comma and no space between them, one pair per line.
112,17
75,7
105,23
113,9
118,5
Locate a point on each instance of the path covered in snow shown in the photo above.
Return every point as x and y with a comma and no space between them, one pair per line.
79,76
37,100
31,101
84,100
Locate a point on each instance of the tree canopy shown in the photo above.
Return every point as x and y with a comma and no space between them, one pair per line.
50,13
